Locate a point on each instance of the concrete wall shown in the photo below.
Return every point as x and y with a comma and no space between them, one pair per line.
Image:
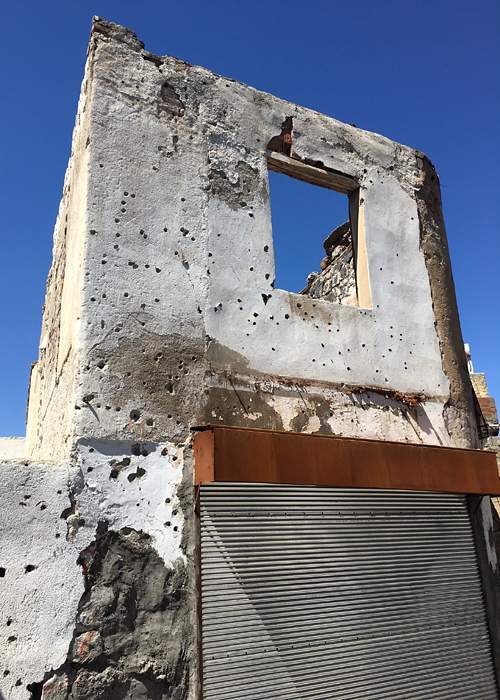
161,314
50,420
175,177
96,595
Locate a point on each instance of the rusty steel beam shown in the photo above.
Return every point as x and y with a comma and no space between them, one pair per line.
262,456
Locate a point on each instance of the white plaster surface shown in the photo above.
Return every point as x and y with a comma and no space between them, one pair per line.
13,448
38,607
147,503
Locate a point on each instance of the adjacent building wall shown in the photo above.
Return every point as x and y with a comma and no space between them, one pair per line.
336,281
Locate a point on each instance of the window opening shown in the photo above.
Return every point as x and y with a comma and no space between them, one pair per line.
313,207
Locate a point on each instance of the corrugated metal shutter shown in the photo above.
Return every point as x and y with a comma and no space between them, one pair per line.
321,593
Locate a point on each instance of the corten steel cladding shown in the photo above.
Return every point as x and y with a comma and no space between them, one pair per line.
260,456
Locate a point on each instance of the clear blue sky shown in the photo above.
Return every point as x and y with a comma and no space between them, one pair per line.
425,73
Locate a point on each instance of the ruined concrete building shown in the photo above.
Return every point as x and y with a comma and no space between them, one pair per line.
228,490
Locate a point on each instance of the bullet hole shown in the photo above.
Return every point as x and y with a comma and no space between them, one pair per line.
93,232
29,568
117,235
184,231
250,214
43,506
157,269
287,316
165,229
10,640
167,524
150,422
251,269
117,221
113,474
2,571
175,528
19,681
131,477
9,621
266,297
157,300
6,672
125,194
140,472
135,414
132,264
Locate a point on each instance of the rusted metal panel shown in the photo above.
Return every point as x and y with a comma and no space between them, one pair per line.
260,456
203,450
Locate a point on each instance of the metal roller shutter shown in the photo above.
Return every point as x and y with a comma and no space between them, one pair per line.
323,593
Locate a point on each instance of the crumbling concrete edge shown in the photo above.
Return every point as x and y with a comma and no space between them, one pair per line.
459,411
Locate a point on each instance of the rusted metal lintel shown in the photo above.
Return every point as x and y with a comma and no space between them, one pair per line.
261,456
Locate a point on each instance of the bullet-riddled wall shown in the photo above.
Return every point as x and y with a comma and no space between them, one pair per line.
161,314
